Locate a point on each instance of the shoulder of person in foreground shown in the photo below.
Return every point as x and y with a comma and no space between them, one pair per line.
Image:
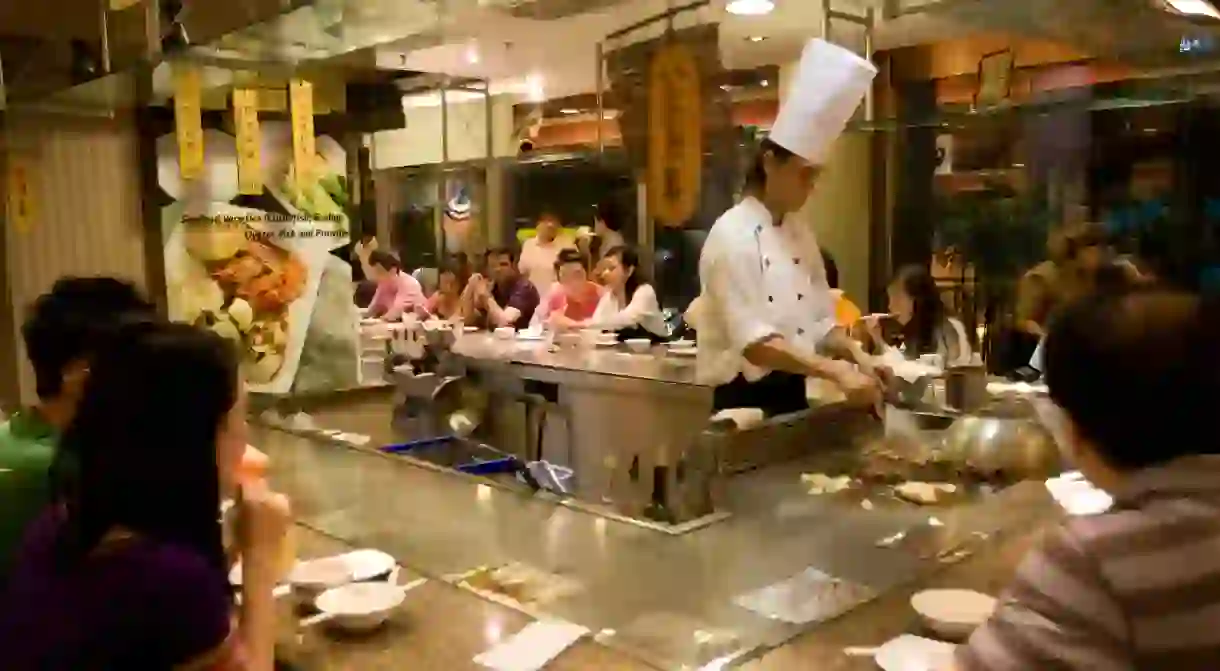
1058,612
190,610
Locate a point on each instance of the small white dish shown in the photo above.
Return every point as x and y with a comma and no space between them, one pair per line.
528,336
311,578
606,342
368,564
913,653
470,329
505,333
952,614
638,345
369,321
360,606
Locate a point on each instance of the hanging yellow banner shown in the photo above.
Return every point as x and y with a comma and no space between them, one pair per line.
675,135
188,120
20,193
249,144
300,99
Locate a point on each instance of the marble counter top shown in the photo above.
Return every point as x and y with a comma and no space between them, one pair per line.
656,365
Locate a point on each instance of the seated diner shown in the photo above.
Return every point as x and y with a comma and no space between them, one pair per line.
501,298
129,571
398,293
446,301
1133,587
920,323
573,298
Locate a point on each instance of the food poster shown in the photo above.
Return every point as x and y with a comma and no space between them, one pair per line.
266,271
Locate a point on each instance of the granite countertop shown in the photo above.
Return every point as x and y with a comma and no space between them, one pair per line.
656,364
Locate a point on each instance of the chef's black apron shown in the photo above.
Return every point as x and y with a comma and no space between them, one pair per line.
775,394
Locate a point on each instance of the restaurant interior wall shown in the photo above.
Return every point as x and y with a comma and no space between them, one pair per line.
84,217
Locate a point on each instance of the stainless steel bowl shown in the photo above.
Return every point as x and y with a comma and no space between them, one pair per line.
1003,447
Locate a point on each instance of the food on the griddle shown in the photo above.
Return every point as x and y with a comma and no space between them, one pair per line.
924,493
820,483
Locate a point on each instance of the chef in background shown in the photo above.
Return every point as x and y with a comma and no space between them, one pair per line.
767,316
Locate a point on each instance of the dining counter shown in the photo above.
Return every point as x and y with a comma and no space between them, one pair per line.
657,600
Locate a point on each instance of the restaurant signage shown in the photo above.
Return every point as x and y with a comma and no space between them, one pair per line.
245,122
188,120
675,143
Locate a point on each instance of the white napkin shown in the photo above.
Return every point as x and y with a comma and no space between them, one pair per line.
533,647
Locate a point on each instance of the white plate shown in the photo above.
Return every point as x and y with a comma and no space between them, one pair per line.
913,653
532,337
681,344
953,614
362,564
607,343
683,351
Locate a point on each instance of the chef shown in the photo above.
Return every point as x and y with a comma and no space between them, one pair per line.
767,318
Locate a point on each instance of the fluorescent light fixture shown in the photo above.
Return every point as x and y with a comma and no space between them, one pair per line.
1194,8
535,88
756,38
568,110
750,7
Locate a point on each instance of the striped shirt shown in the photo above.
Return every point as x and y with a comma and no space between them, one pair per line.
1137,587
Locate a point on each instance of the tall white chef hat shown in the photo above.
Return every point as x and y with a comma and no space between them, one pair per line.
829,85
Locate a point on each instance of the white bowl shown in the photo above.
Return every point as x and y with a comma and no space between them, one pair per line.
505,332
638,344
952,614
470,329
311,578
360,606
368,564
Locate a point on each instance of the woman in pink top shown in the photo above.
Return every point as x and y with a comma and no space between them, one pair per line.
446,303
397,292
574,298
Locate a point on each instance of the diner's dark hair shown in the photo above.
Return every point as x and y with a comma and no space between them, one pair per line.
384,260
611,214
1131,368
569,255
64,324
510,252
927,310
756,178
142,446
460,272
629,259
832,269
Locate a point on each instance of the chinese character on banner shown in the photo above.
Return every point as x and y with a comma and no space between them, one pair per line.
304,154
245,118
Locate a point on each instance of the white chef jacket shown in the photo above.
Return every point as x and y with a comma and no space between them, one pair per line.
758,280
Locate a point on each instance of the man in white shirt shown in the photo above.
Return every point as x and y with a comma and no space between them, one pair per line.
767,317
538,254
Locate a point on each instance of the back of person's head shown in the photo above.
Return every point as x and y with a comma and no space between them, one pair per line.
832,269
610,214
384,260
149,431
63,325
1138,374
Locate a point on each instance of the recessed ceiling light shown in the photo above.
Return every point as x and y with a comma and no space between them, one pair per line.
1194,8
756,38
765,83
726,87
569,110
750,7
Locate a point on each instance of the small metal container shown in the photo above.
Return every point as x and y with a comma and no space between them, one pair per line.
966,387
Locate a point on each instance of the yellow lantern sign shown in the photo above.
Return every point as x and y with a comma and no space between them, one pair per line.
675,135
188,120
304,154
20,193
249,149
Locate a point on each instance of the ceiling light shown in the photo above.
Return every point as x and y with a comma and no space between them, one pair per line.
535,88
472,55
750,7
765,83
568,110
756,38
726,87
1194,8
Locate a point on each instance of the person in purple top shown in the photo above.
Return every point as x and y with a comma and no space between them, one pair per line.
129,572
504,297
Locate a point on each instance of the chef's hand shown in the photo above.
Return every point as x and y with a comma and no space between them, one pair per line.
861,389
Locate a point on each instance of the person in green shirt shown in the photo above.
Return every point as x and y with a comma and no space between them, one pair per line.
61,328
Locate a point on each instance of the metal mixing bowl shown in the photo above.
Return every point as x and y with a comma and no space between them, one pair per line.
1009,448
